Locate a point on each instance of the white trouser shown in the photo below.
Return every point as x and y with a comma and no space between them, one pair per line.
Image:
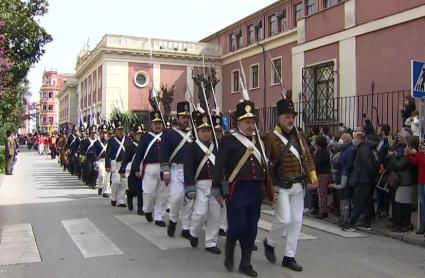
118,184
206,208
288,218
103,178
223,217
178,202
155,193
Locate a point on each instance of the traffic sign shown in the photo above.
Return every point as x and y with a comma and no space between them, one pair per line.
418,79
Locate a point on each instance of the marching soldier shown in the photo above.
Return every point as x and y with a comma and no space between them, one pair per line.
198,169
292,167
78,168
174,140
88,152
241,164
147,167
71,147
218,121
125,170
113,159
100,145
84,143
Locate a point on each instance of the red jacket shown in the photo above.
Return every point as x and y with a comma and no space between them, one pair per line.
419,160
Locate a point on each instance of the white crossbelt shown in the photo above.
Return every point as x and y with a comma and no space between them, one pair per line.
185,138
292,148
156,137
103,148
209,155
121,147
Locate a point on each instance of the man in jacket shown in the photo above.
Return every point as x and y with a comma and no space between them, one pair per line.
363,178
9,152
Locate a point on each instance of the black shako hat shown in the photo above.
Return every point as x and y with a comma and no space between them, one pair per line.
201,120
155,116
245,110
183,108
218,121
285,106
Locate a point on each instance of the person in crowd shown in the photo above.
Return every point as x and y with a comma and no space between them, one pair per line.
324,131
383,149
323,167
40,144
344,165
10,151
413,123
406,183
363,178
407,108
47,142
417,157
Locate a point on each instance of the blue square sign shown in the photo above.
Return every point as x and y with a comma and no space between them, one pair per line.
418,79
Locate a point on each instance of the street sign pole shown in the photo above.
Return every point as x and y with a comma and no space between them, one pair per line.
418,92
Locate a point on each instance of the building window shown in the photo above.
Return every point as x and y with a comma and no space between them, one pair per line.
283,23
44,95
141,79
330,3
240,39
251,34
254,77
44,107
298,12
311,7
235,81
259,31
50,94
273,26
233,44
276,70
50,120
50,107
44,120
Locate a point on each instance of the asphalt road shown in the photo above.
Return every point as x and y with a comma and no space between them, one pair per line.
54,226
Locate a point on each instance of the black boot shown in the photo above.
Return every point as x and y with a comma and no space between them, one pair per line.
269,252
139,203
290,263
229,250
186,234
99,191
130,202
148,216
245,267
140,211
171,228
193,241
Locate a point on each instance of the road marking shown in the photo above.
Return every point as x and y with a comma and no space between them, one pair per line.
267,226
154,234
18,245
90,241
324,227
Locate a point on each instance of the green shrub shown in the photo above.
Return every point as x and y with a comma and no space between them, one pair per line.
2,160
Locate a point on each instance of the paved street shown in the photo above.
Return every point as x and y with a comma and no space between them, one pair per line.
54,226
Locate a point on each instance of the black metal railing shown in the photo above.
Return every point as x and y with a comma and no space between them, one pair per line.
380,108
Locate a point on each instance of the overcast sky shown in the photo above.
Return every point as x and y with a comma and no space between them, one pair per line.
71,23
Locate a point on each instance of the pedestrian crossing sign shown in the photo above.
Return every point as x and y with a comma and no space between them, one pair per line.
418,79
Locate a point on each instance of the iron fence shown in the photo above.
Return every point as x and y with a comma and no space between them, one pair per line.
380,108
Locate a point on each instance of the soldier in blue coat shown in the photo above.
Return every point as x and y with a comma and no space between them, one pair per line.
87,150
173,142
239,178
100,146
113,159
126,172
198,170
146,166
72,144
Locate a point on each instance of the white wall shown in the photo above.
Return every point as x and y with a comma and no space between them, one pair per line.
115,83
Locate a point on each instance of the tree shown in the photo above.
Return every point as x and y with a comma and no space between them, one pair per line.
24,37
165,97
13,104
128,118
207,78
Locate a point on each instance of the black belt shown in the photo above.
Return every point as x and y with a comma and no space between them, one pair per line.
286,183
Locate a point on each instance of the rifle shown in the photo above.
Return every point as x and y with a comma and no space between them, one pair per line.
194,109
268,179
157,104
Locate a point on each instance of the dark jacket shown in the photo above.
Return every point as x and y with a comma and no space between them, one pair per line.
383,151
322,162
365,166
407,172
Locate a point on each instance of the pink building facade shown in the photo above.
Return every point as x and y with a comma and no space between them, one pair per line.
325,50
49,112
120,71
